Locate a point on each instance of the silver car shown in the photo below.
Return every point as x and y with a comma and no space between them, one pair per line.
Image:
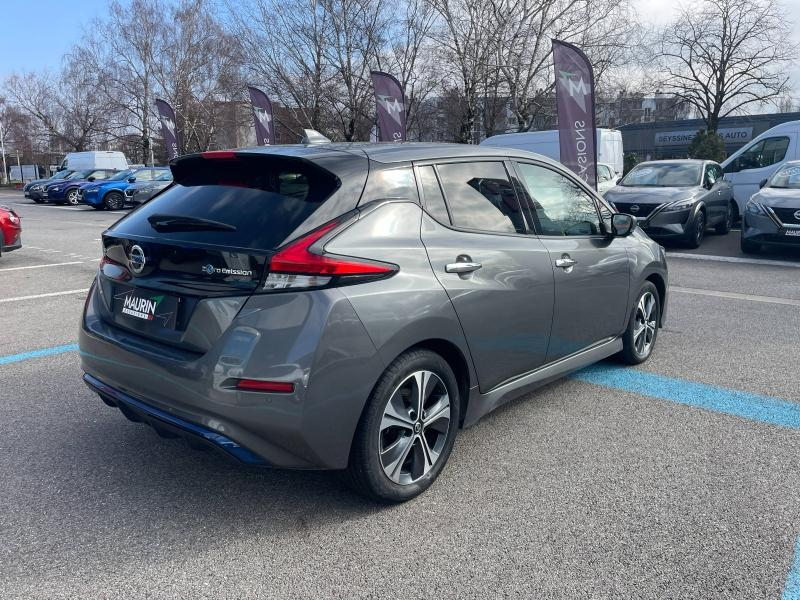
772,216
353,306
676,200
140,192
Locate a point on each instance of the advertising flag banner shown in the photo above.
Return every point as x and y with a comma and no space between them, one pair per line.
169,128
391,107
575,108
262,115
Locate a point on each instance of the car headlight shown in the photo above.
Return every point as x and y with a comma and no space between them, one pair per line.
679,205
36,188
754,208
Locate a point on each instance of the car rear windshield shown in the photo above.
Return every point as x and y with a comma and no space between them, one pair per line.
254,202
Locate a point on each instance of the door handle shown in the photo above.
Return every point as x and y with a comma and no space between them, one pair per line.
462,267
566,263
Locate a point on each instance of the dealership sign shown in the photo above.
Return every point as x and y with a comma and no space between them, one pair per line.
735,135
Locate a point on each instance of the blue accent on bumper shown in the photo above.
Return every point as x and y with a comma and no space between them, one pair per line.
220,441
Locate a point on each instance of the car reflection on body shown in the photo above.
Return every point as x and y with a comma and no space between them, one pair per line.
676,199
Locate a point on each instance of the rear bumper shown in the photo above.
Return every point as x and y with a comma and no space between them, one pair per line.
311,339
168,424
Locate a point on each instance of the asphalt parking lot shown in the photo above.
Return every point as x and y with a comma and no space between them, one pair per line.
678,479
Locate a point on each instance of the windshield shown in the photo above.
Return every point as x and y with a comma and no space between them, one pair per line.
80,175
787,177
166,176
663,175
61,174
121,175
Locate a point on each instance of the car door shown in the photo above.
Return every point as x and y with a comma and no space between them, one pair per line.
499,278
756,163
591,269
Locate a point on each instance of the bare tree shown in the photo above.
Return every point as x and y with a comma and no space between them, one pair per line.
124,66
65,107
467,39
285,44
726,55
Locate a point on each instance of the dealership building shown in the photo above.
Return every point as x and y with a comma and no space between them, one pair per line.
670,139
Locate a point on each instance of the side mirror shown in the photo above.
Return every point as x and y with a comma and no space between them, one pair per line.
90,179
762,183
131,179
622,224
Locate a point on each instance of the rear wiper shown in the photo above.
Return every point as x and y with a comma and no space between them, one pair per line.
183,223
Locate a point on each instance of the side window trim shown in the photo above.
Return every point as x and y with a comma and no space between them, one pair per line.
538,231
421,192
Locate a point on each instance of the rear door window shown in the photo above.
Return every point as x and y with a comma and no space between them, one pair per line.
480,197
265,200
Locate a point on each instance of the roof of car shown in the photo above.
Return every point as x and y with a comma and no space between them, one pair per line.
391,153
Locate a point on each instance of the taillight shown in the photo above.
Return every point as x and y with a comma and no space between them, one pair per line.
113,269
258,385
300,265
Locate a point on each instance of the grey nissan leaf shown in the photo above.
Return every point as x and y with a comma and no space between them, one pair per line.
353,306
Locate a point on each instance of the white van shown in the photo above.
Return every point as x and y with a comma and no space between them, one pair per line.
750,165
609,145
103,159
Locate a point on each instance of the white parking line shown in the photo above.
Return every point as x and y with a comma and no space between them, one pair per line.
75,262
734,259
50,295
51,206
735,296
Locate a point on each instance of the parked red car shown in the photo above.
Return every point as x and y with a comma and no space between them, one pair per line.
10,230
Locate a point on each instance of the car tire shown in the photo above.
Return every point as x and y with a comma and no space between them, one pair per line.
397,453
640,336
725,227
114,201
697,230
71,197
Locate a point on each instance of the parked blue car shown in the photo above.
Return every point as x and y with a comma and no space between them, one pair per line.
110,194
66,191
35,189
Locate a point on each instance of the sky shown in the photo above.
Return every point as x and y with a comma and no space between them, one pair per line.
37,33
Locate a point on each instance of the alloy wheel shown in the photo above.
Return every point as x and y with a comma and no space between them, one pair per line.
414,427
644,329
699,227
114,201
72,197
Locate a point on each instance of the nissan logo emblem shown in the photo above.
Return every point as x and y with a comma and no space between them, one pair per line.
635,208
797,215
136,259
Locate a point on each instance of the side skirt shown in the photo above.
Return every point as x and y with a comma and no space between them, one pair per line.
482,404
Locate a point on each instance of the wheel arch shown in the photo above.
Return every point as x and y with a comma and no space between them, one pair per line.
661,287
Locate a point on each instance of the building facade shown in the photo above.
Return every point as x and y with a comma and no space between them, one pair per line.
671,139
